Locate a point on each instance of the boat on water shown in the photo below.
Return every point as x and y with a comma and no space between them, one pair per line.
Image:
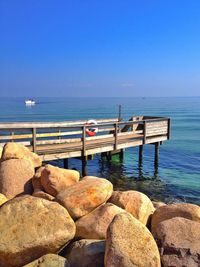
30,102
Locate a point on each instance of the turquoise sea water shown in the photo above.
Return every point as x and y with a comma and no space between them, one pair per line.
178,175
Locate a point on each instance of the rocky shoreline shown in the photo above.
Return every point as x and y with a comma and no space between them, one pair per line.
50,217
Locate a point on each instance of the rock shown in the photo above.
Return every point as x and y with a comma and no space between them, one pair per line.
31,227
44,195
129,244
3,199
15,177
179,242
134,202
55,180
13,150
1,150
188,211
158,204
84,196
49,260
94,225
36,181
86,253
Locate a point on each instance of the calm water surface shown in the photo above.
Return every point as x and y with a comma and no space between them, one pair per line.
178,175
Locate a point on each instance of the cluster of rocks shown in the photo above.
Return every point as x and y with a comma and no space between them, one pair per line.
49,217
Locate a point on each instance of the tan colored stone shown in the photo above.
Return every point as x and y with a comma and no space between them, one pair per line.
31,227
84,196
15,177
1,150
44,195
55,179
86,253
36,181
14,150
94,224
188,211
49,260
158,204
129,244
3,199
134,202
179,242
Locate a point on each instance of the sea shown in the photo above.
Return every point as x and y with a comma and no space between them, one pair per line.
177,178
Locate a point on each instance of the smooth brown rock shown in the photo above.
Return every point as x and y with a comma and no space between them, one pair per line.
3,199
44,195
1,150
158,204
49,260
14,150
36,181
129,244
55,179
86,253
15,177
31,227
94,225
134,202
188,211
179,242
84,196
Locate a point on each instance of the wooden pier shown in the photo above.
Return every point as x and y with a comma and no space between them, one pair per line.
64,140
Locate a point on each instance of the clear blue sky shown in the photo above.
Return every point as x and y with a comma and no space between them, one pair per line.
99,48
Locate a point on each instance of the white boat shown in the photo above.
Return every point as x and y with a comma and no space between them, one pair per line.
30,102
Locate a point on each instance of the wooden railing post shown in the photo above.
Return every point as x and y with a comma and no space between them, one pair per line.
168,129
145,132
116,130
34,139
84,161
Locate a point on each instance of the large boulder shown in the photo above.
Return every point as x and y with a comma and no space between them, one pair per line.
129,244
84,196
179,242
15,177
188,211
49,260
86,253
36,181
1,150
134,202
13,150
3,199
54,179
94,225
31,227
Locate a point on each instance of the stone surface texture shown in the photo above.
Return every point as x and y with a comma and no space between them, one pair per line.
179,242
55,179
129,244
15,177
134,202
188,211
3,199
94,225
14,150
84,196
86,253
31,227
44,195
49,260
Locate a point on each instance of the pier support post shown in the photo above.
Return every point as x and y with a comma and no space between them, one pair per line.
84,166
66,163
121,155
140,155
156,155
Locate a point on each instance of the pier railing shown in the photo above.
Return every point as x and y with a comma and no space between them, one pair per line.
69,139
